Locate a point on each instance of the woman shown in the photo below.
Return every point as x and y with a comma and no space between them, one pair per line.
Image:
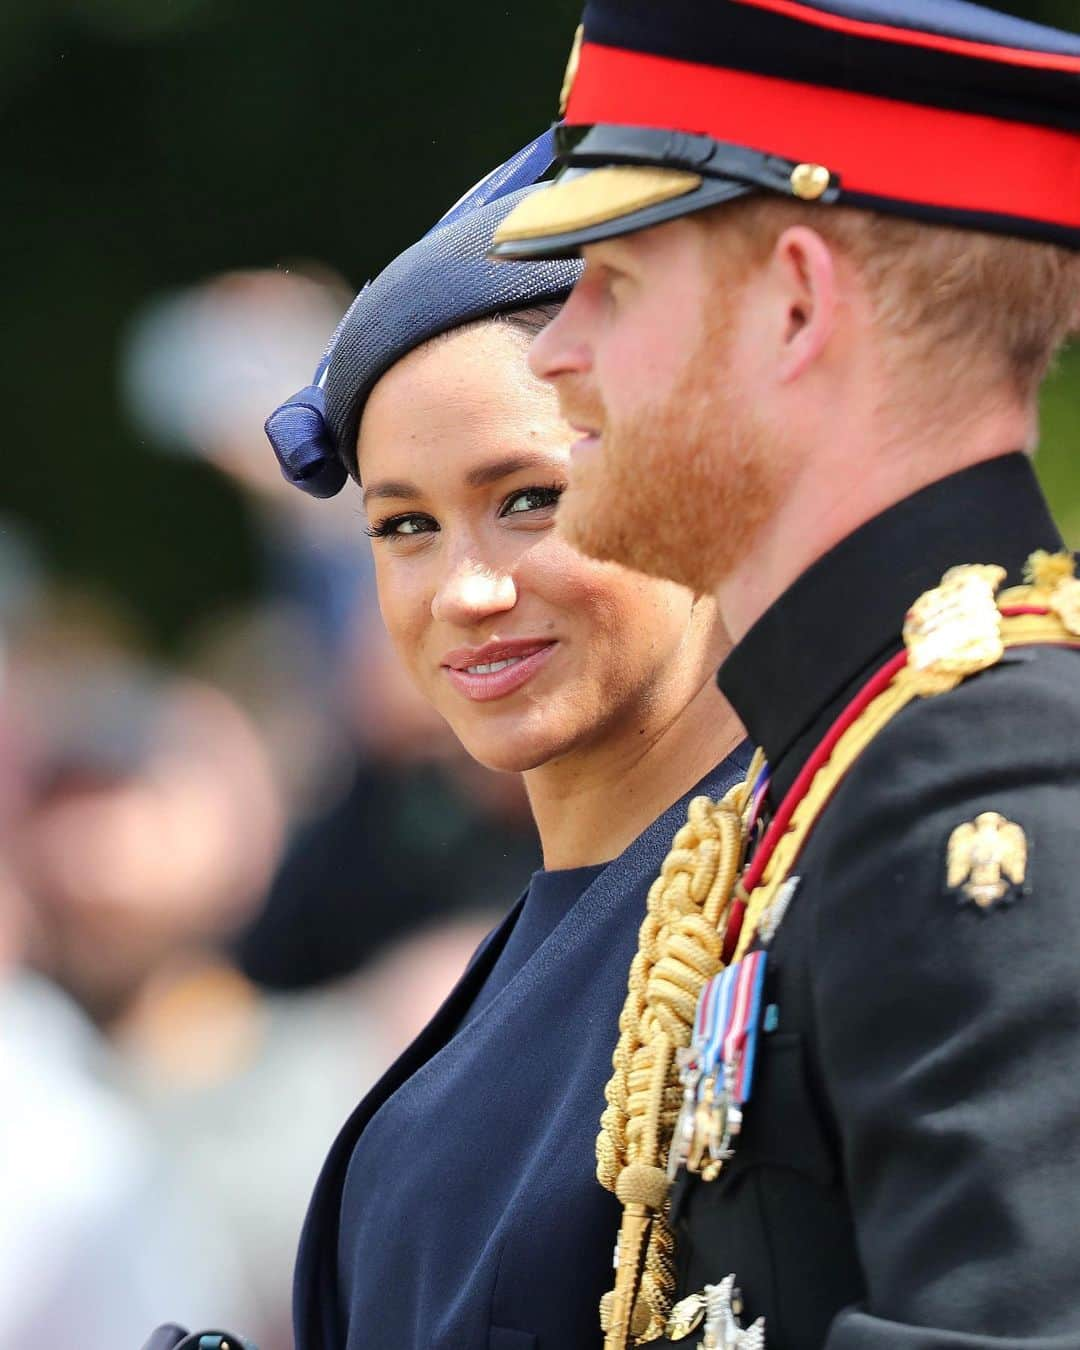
459,1207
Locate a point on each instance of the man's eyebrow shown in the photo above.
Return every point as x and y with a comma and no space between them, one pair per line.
390,487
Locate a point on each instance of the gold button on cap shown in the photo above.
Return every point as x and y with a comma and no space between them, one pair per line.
810,181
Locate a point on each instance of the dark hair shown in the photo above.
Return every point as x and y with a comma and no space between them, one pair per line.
535,319
531,321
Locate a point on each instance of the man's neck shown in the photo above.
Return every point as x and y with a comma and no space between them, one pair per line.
838,491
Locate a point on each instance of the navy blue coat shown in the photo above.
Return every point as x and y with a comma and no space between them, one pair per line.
507,1107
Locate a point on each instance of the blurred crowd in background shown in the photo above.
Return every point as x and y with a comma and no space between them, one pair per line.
240,862
232,886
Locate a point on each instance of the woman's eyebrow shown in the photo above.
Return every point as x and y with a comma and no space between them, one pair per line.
390,487
482,476
486,474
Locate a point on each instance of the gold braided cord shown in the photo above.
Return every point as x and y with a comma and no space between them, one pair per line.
679,946
1046,630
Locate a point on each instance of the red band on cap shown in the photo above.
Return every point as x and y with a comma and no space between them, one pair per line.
916,37
879,147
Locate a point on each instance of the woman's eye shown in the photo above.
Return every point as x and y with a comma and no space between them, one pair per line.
611,284
531,499
401,527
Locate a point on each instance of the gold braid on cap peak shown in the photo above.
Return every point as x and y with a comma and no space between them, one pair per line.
679,946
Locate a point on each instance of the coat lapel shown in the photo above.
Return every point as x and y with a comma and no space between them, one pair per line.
315,1310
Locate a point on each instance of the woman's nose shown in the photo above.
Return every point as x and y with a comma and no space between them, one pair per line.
472,592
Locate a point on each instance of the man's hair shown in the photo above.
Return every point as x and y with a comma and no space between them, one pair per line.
952,297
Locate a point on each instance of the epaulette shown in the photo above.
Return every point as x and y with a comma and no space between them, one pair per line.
954,631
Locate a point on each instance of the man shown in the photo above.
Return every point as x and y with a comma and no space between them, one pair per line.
831,247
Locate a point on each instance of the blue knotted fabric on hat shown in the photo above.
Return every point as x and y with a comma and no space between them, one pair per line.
444,280
297,431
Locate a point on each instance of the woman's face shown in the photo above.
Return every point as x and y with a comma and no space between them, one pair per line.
529,650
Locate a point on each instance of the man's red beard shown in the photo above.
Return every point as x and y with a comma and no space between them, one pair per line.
680,488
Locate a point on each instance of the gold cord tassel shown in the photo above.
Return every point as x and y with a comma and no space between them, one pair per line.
679,948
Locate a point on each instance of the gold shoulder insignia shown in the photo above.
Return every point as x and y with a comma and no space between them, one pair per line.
954,630
1053,579
572,63
986,858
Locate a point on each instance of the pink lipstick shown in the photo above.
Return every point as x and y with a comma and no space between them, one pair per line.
497,668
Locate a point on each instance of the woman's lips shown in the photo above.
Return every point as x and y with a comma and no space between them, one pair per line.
499,675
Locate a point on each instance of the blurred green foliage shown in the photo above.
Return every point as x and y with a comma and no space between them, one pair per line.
150,143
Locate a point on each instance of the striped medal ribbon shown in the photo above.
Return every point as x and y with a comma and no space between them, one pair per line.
688,1059
724,1050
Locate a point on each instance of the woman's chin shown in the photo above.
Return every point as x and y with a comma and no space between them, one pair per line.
513,754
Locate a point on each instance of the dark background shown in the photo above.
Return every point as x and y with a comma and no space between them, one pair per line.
151,143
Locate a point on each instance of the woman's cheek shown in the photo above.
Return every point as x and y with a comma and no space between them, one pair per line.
405,612
567,581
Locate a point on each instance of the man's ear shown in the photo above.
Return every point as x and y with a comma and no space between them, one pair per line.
805,274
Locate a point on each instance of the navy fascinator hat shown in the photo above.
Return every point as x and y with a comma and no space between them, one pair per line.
444,280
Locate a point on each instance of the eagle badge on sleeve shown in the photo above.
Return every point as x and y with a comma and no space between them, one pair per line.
987,859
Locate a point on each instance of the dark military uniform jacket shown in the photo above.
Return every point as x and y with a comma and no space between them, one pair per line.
908,1176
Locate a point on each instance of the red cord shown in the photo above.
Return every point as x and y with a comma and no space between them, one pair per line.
798,790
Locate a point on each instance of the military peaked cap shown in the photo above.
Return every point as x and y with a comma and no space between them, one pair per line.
939,110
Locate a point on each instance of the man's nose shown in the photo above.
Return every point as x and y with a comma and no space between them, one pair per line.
561,347
472,592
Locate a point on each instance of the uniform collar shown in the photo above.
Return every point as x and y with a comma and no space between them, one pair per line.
842,618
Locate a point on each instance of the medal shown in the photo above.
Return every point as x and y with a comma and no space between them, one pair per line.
722,1057
723,1305
683,1135
720,1307
707,1133
696,1093
686,1316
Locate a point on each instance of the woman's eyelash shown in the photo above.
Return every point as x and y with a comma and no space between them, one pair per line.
551,490
385,529
389,528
